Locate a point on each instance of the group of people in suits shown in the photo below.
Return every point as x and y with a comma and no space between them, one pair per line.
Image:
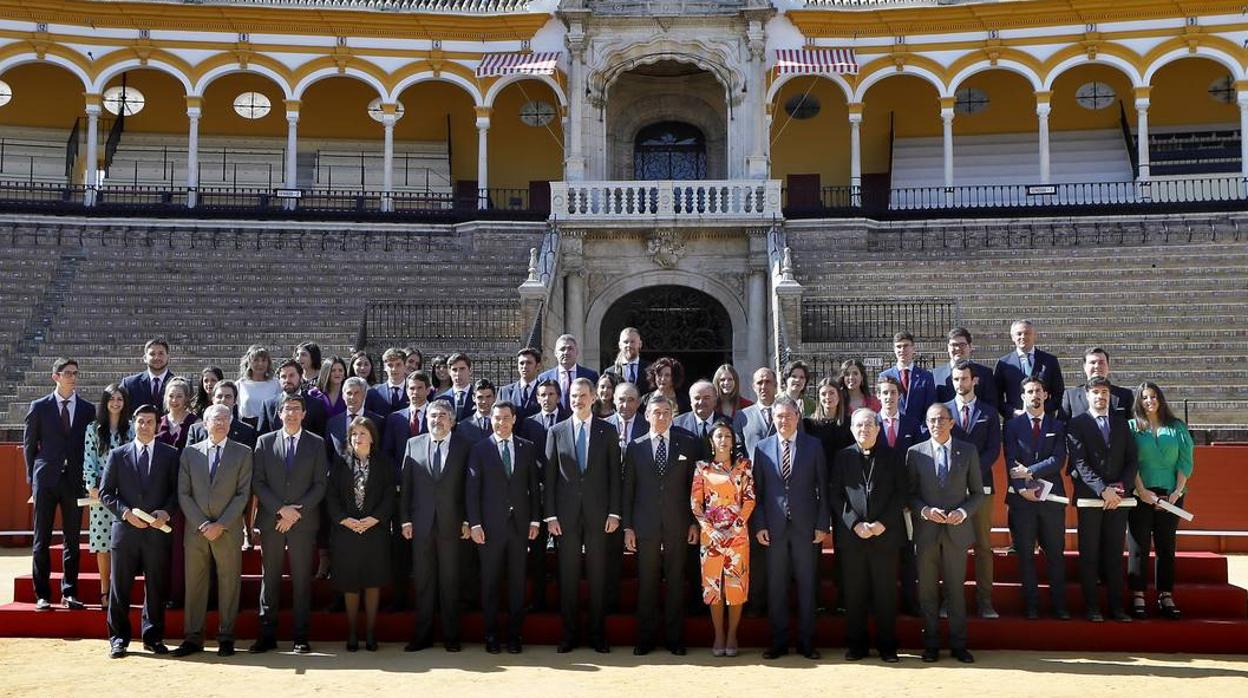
437,491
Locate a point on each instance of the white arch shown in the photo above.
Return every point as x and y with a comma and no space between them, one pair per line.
24,58
1002,64
333,71
101,80
1102,59
861,92
232,68
443,76
1213,54
497,87
835,78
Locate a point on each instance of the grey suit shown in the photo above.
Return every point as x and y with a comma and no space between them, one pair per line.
941,548
221,498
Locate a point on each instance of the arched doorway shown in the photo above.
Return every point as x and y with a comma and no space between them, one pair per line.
677,321
669,150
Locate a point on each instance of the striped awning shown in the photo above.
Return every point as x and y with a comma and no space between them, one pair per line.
816,61
496,64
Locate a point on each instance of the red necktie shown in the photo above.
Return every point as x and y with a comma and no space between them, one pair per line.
1035,430
905,380
65,415
415,423
891,431
966,418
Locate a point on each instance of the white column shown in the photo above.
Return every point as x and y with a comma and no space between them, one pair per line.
1141,128
855,151
483,157
1042,118
946,116
757,319
387,159
1242,98
192,155
574,307
292,148
93,166
574,158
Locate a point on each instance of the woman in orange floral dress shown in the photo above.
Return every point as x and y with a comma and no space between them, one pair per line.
722,500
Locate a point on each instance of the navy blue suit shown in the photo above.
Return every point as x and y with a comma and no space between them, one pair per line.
336,430
472,429
921,393
525,399
125,486
1044,456
54,471
985,389
640,427
553,374
240,431
909,432
138,389
315,414
1009,378
465,409
398,429
380,400
791,512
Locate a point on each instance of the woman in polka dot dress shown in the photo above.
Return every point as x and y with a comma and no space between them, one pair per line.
110,430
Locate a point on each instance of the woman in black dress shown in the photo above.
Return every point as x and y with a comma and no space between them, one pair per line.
829,424
360,499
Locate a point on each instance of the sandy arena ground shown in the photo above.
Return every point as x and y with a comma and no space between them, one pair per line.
31,667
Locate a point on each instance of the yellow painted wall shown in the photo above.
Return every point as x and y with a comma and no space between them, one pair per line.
164,106
520,153
818,145
1180,95
44,95
1067,115
915,106
1011,105
427,105
218,117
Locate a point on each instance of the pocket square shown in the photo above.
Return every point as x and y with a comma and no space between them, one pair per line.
682,458
1050,434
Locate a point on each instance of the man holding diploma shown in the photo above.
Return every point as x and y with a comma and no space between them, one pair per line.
140,483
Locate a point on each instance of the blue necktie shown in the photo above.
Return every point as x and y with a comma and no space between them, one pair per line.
582,449
290,453
1103,424
213,463
942,466
145,464
660,456
437,458
394,398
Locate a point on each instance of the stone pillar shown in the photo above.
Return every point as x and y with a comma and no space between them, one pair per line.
1042,123
1141,128
574,161
574,304
855,151
91,180
292,143
1241,96
193,110
389,115
483,157
946,117
756,297
756,160
788,305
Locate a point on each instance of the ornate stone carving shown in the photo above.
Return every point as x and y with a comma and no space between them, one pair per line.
665,247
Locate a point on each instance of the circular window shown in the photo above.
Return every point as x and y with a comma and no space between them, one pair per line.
970,100
252,105
375,112
6,93
123,101
1095,95
1223,90
537,113
804,106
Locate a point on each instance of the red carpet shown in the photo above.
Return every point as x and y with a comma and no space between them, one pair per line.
1215,615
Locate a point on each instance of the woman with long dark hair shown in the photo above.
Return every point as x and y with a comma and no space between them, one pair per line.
362,365
666,376
604,395
203,391
856,388
110,430
332,375
728,387
441,374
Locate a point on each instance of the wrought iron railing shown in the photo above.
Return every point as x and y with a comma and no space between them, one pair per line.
402,321
875,320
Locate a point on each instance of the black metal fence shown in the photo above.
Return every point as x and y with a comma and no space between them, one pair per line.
446,322
876,319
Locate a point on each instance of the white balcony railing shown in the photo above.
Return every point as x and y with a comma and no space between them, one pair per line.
675,201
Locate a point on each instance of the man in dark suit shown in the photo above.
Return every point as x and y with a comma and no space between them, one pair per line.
698,420
460,393
354,394
52,444
1035,449
658,522
148,387
550,412
867,491
1103,465
629,365
1075,400
759,424
1026,360
140,481
627,419
945,490
523,393
899,433
315,415
480,424
918,387
535,429
289,476
400,427
790,486
978,424
435,466
214,489
391,395
225,393
961,347
504,512
582,493
567,352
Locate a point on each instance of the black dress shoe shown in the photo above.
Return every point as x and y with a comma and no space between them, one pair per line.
1096,617
963,656
186,649
353,645
812,654
1061,614
514,647
930,656
417,645
226,648
775,653
641,650
156,647
890,657
678,650
1031,614
370,645
262,645
565,647
492,646
302,648
1122,616
72,603
852,655
602,648
452,646
117,649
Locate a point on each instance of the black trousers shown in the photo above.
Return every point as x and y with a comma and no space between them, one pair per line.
436,568
587,535
537,567
147,551
791,557
301,547
615,567
870,582
502,558
1045,522
942,560
662,556
1101,537
63,496
1150,527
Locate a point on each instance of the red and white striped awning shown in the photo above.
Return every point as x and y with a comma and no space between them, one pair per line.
496,64
816,61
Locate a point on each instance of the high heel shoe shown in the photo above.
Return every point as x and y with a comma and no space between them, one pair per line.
717,651
1165,604
370,643
353,645
1139,609
730,651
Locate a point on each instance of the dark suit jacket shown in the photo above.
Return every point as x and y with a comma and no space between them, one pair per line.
222,499
920,396
378,400
985,389
378,490
1009,378
493,499
553,374
621,371
240,431
852,502
138,389
466,410
755,429
434,504
471,429
964,490
1093,464
654,506
1075,402
688,421
1044,458
638,428
909,432
397,431
336,431
48,449
315,415
573,496
524,400
560,415
806,491
984,435
304,485
124,487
